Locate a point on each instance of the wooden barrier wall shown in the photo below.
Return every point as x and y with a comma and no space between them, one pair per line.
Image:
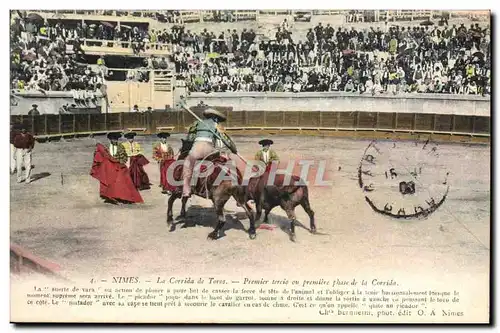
176,122
24,262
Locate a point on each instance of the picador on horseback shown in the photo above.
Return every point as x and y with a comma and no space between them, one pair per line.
205,141
208,139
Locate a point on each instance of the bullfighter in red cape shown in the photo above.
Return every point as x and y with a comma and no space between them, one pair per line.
164,155
137,162
110,170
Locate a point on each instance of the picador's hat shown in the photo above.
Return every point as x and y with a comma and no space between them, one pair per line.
130,135
114,136
162,135
208,113
266,142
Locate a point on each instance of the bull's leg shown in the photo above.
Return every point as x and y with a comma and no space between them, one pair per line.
219,203
291,215
266,216
307,208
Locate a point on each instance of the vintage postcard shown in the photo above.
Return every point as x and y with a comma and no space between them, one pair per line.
250,166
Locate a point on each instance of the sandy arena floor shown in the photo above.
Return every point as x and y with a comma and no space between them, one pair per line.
60,217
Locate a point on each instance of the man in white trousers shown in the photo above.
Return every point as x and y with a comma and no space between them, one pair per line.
13,150
24,143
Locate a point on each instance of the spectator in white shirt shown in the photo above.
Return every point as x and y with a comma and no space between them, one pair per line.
297,87
402,80
285,25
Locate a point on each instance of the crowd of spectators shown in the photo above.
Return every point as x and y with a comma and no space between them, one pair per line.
49,57
43,65
425,59
134,37
396,59
39,60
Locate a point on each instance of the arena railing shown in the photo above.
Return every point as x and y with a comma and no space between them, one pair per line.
193,16
470,14
24,262
410,15
190,16
151,48
95,15
50,126
329,12
275,12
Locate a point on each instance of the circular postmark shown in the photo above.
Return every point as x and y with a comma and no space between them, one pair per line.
403,180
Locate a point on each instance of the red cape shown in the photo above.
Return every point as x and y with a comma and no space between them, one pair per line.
139,176
163,175
114,177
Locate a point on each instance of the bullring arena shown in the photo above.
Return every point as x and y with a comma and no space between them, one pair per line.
67,222
60,225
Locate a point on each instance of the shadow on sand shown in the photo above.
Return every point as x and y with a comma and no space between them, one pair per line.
206,217
39,176
284,224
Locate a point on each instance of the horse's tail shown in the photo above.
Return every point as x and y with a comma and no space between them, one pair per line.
239,176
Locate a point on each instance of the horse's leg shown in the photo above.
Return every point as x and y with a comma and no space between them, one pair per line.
249,208
170,218
183,208
219,202
307,207
258,210
170,204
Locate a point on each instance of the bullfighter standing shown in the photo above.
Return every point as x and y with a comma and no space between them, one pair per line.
109,168
164,155
266,154
24,143
13,150
137,161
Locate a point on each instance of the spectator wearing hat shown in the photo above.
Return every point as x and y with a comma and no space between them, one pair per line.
205,142
64,109
266,154
34,111
164,155
137,161
24,143
349,87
